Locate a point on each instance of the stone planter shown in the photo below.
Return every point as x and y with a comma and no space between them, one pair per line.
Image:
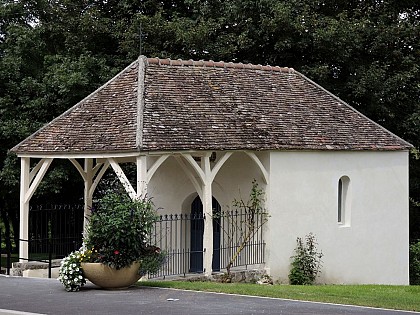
110,278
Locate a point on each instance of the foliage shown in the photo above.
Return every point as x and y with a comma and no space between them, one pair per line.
306,262
380,296
119,229
415,263
152,261
54,53
117,235
239,233
70,272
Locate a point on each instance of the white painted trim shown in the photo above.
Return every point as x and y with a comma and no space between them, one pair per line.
93,155
219,164
196,167
79,168
99,176
96,168
123,179
255,158
190,175
35,170
155,166
37,180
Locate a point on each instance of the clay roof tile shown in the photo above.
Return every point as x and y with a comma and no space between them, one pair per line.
208,105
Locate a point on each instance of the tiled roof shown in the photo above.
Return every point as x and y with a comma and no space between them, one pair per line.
206,105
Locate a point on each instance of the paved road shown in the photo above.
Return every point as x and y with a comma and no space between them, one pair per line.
47,296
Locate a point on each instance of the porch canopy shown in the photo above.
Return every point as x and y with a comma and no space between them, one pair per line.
156,108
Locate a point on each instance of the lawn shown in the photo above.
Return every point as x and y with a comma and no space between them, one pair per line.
382,296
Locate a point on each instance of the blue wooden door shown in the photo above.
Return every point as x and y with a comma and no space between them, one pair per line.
197,231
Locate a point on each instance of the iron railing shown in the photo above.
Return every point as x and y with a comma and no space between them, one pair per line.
172,233
56,230
242,228
177,235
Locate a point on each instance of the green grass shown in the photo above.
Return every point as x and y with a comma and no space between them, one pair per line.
382,296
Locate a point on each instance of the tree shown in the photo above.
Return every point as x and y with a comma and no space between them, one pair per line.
54,53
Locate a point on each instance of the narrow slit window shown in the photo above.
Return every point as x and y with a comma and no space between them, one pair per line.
340,201
343,206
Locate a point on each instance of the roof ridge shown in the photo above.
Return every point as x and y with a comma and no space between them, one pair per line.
140,100
215,64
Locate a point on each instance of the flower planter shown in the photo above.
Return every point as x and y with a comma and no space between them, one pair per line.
111,278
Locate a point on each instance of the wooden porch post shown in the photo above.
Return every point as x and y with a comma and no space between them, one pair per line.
88,179
24,209
208,212
29,182
142,181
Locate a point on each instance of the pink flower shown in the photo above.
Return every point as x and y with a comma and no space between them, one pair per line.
116,252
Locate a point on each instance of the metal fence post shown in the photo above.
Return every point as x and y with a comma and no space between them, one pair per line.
49,256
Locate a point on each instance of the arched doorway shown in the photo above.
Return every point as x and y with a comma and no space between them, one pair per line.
197,231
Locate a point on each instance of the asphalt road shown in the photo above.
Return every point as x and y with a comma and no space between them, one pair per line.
47,296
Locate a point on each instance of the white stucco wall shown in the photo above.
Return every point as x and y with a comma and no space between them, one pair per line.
303,189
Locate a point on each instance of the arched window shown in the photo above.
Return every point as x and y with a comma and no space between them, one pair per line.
343,209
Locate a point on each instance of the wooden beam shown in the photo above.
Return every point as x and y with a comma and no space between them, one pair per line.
152,170
219,164
104,166
79,168
123,179
142,182
24,209
190,175
45,164
264,171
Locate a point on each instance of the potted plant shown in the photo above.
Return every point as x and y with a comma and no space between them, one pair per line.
116,250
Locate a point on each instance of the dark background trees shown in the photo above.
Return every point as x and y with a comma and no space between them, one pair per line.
54,53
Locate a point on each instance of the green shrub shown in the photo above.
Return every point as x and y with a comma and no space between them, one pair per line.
306,262
415,263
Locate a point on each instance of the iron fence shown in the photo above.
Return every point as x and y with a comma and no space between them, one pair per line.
242,237
181,237
56,230
174,234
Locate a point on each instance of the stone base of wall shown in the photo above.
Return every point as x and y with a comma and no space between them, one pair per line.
35,269
241,276
237,276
